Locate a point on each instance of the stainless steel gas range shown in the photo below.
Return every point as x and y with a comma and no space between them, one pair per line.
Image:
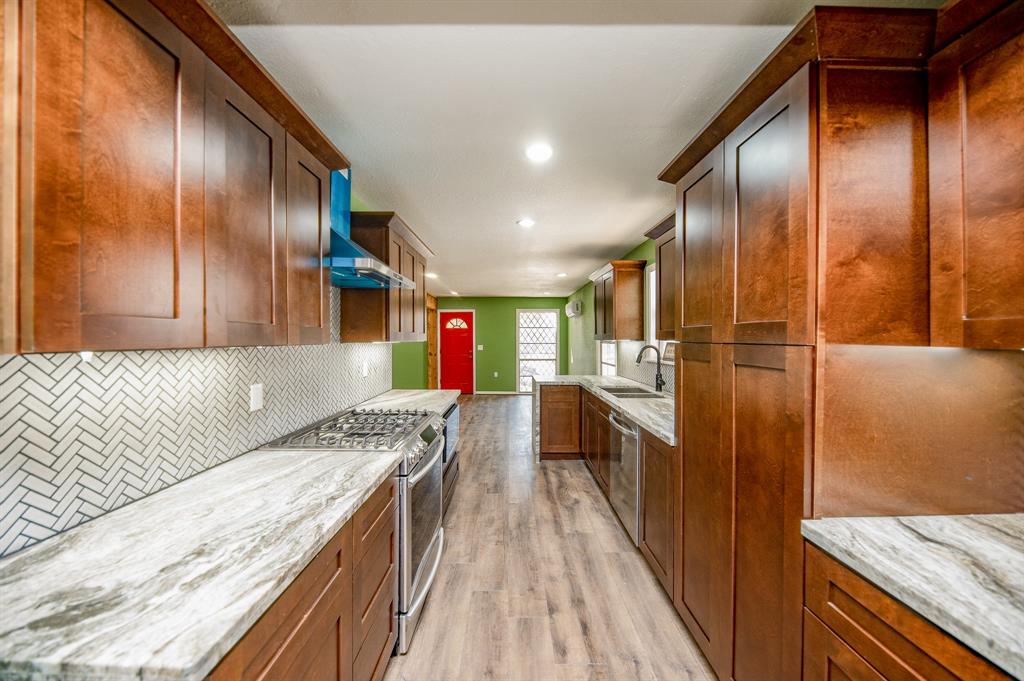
418,435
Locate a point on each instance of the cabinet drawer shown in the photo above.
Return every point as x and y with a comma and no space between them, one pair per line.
559,393
888,635
374,576
376,511
827,658
380,626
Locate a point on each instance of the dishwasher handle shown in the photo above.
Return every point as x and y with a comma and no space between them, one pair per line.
632,432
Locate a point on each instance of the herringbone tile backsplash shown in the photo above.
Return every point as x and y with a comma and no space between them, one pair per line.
79,439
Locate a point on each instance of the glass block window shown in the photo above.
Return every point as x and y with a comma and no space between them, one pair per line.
537,346
606,353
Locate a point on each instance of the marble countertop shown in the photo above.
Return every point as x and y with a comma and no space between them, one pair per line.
431,400
164,587
964,574
656,416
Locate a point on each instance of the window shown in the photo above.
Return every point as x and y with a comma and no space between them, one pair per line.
456,323
536,346
606,352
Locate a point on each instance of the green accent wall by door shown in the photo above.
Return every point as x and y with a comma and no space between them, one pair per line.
409,365
495,320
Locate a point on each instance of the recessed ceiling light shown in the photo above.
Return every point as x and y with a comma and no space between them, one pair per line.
431,275
547,293
454,293
539,152
525,222
561,275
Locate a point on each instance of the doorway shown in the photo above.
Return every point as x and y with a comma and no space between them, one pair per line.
536,346
456,329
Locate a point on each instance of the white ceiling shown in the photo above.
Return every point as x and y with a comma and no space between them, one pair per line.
434,101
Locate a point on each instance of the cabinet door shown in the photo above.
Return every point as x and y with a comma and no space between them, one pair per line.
408,295
309,226
246,239
827,658
396,252
768,240
665,328
657,484
609,446
975,147
560,419
419,299
590,437
699,249
766,421
702,588
608,283
113,242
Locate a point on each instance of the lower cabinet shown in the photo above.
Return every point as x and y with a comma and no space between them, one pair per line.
854,630
559,422
657,507
337,620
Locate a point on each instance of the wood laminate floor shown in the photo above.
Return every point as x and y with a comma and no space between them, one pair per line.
538,580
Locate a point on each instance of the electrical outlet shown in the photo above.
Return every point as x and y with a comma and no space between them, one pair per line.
495,374
255,397
366,369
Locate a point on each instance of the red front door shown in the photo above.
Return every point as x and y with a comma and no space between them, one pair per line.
456,351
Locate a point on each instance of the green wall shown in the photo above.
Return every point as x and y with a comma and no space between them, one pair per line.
582,347
409,365
496,331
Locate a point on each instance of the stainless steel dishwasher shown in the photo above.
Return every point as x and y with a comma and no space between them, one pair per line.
625,468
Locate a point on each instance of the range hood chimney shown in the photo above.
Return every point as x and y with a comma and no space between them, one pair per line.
352,266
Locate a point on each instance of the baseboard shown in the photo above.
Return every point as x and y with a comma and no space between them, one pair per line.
498,392
544,456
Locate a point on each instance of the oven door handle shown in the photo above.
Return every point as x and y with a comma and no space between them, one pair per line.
433,573
430,464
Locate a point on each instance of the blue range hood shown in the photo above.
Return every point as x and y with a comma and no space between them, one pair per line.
352,266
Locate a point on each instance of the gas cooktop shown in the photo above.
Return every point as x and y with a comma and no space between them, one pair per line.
359,429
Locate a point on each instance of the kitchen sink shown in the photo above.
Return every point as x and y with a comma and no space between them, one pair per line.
645,395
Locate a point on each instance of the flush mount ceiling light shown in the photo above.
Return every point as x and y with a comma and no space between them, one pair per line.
539,152
431,275
454,293
525,222
562,275
547,293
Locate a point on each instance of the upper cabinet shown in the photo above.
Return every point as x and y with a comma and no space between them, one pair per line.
394,314
699,250
162,202
619,300
246,236
112,218
976,147
666,272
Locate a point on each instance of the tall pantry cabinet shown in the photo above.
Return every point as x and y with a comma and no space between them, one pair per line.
775,257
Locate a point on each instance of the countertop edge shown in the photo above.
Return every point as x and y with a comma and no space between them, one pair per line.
991,650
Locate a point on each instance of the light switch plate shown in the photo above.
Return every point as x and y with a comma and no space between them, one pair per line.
495,374
255,397
479,347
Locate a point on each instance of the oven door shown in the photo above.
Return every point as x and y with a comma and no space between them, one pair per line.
421,536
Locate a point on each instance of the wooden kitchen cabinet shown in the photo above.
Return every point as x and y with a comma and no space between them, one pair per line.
337,620
703,523
852,624
619,300
309,244
393,314
657,481
666,274
246,235
307,632
112,172
591,419
766,414
768,238
975,147
560,421
699,250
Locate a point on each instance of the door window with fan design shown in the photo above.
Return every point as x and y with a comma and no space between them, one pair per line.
536,346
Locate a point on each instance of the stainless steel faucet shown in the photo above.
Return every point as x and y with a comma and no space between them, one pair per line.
659,380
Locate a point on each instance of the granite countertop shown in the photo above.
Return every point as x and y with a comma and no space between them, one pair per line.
164,587
432,400
964,574
656,416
